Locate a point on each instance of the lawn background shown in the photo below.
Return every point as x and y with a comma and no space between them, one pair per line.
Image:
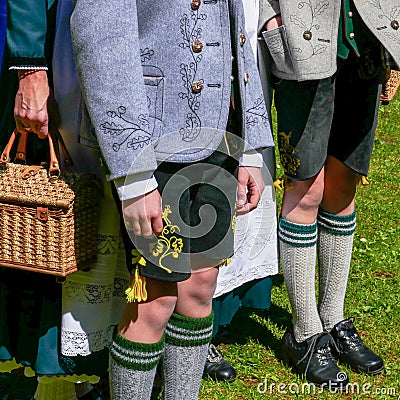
253,343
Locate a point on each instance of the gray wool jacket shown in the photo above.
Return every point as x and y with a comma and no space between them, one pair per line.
305,46
156,76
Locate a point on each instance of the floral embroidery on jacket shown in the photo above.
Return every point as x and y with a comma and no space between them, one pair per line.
309,27
257,113
134,135
191,32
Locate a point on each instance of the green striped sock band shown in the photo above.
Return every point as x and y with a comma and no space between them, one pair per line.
337,224
136,356
297,235
188,332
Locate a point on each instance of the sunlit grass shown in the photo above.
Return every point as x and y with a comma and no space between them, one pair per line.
373,297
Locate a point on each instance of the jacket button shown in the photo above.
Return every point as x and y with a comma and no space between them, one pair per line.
307,35
246,78
351,35
350,14
197,46
197,86
242,39
395,25
195,4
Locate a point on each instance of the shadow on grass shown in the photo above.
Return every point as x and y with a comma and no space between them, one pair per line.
251,324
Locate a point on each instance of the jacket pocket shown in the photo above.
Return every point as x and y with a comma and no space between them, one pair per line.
276,41
154,81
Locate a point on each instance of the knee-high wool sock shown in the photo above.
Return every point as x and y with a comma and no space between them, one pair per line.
335,246
186,347
298,244
132,368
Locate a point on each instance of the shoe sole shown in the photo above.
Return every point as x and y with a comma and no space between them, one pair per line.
367,372
361,370
287,361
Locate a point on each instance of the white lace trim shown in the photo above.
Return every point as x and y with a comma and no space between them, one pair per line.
82,343
256,249
27,67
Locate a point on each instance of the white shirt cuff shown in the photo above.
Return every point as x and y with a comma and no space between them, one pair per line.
131,186
251,158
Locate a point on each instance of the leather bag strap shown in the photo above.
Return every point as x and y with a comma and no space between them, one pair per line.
54,167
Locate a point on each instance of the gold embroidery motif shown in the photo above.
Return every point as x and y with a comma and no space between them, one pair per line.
137,258
166,244
289,161
234,222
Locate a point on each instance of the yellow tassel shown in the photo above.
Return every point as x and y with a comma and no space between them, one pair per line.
137,288
281,183
364,181
225,262
278,184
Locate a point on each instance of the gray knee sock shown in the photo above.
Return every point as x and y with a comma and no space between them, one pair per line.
298,245
132,368
186,346
335,246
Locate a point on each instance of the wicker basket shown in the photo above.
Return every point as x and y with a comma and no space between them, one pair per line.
49,219
391,86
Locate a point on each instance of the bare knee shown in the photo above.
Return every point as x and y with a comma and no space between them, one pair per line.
146,321
157,312
302,199
195,294
340,186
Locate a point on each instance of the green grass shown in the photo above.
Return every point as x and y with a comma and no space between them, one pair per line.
253,343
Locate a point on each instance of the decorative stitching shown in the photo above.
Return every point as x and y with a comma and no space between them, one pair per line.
393,15
107,244
316,11
146,54
126,129
191,32
256,113
289,161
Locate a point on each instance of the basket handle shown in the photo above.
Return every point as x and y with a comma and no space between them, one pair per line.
54,167
21,148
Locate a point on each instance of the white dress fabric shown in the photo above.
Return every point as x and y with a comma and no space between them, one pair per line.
256,249
92,300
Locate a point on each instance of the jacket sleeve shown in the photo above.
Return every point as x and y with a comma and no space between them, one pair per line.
268,10
26,33
106,48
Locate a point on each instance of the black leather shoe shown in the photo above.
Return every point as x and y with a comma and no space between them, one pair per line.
313,359
353,351
217,367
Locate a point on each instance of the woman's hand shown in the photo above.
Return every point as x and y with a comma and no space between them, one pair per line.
250,187
30,109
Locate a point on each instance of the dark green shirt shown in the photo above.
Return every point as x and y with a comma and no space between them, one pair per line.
353,34
346,35
28,31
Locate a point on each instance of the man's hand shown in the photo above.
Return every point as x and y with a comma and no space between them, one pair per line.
30,109
250,188
143,214
273,23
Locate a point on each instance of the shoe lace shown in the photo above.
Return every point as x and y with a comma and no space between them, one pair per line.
323,353
354,341
214,354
